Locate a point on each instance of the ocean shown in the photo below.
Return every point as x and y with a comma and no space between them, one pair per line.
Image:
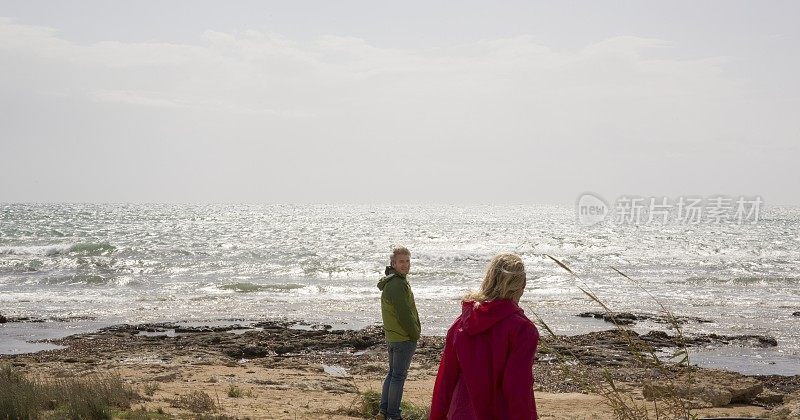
85,266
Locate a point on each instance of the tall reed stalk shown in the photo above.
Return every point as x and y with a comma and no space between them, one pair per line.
667,405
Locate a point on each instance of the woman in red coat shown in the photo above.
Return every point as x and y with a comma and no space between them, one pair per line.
486,371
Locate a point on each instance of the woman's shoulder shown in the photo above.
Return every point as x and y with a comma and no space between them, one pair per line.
522,323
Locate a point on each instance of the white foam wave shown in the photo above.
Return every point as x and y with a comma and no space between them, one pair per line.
51,250
43,250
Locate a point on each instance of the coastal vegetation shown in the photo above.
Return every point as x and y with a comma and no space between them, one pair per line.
366,405
95,396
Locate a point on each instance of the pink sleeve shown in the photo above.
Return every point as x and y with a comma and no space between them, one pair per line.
518,375
446,378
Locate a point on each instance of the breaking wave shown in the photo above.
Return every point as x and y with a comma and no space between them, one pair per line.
251,287
87,249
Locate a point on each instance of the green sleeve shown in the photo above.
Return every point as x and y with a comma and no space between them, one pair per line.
398,296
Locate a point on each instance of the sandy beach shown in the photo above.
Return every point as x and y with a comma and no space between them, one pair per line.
280,370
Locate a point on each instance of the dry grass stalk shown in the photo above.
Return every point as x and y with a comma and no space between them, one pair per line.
625,406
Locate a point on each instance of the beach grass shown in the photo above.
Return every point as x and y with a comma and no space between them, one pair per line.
196,402
88,397
234,391
19,397
367,403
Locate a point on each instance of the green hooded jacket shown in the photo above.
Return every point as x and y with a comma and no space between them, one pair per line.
400,317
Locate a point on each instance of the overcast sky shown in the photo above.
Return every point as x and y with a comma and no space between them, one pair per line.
412,101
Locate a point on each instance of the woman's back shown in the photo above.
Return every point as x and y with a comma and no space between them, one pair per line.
486,368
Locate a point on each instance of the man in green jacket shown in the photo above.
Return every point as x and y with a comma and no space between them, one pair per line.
400,327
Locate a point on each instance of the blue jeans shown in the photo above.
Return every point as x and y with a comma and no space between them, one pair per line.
399,360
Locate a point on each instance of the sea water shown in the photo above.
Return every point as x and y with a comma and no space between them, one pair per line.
91,265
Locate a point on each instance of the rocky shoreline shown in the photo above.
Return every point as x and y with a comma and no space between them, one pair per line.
163,350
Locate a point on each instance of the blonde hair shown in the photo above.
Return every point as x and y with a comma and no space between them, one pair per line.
398,250
505,278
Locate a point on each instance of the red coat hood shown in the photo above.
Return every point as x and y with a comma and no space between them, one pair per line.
479,318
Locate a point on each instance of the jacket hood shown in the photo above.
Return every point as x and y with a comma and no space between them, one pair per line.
390,274
476,320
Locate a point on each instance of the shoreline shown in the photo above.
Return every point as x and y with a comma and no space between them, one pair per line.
293,370
748,354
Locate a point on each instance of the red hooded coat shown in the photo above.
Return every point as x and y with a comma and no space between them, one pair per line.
486,371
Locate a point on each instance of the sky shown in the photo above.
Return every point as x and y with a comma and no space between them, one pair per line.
398,102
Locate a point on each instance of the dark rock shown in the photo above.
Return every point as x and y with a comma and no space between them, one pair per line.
796,313
281,350
254,351
743,339
188,330
780,383
4,319
233,352
71,318
660,339
600,348
619,347
24,319
627,318
765,341
360,343
618,318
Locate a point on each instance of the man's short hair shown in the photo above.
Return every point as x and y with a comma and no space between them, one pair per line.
399,250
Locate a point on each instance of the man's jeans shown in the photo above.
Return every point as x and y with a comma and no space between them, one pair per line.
399,360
